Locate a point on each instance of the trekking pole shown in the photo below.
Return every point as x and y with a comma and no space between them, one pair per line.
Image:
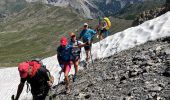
99,24
92,59
12,97
100,45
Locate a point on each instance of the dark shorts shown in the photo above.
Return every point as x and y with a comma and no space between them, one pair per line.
75,58
88,47
102,31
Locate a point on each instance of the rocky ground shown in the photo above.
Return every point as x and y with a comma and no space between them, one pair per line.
140,73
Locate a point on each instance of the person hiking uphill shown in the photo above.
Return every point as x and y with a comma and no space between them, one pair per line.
86,35
75,53
37,76
103,28
64,58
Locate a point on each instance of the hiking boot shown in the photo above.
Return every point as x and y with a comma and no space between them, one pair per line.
68,90
86,64
74,78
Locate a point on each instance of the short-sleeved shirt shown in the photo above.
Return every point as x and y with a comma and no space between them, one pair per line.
87,34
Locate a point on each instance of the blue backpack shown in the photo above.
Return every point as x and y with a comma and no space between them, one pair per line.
64,54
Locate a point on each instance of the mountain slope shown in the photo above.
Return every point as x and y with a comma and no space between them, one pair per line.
36,30
113,44
134,74
132,10
11,7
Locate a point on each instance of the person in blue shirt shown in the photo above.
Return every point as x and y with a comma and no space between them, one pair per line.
64,59
87,35
65,56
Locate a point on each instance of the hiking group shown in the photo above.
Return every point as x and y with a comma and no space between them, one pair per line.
68,53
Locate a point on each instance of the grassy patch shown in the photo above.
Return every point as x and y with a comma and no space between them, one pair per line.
35,32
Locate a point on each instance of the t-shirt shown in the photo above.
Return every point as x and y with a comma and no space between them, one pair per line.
87,34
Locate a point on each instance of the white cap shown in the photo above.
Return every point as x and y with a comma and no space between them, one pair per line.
85,24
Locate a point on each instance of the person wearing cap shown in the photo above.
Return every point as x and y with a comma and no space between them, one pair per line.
38,77
75,52
64,59
86,35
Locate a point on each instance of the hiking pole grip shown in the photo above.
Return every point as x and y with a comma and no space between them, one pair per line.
92,60
12,97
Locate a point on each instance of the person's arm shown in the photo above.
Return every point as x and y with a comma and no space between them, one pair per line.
20,88
82,45
59,56
51,80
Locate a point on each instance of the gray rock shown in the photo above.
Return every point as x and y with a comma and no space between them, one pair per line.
119,78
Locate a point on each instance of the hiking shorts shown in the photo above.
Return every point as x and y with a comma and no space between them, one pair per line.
75,58
88,47
67,66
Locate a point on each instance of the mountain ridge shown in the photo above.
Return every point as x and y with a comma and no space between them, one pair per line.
93,8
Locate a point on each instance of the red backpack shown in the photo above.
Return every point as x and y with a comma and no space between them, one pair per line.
36,65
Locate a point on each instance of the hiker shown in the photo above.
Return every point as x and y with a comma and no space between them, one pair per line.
64,56
87,35
64,59
104,27
75,53
37,76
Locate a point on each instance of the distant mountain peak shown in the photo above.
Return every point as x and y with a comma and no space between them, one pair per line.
91,8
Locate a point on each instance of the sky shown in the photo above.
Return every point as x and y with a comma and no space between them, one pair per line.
129,38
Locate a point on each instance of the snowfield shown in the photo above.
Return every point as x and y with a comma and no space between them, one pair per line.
150,30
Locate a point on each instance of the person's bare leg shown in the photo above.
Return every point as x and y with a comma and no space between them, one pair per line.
67,79
76,66
76,63
87,55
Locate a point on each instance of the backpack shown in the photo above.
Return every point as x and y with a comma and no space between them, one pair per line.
108,22
87,34
37,66
64,54
75,51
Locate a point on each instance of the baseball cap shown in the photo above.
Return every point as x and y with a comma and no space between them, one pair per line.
85,24
23,69
63,41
